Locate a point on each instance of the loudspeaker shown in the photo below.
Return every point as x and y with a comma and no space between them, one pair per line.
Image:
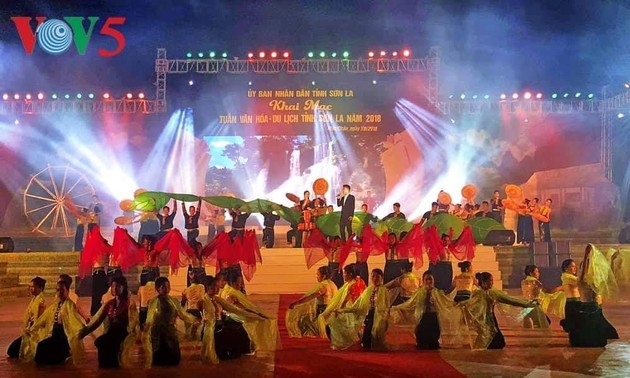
500,237
560,252
6,245
540,252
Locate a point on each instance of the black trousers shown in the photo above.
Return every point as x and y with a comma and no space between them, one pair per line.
53,350
368,324
393,269
231,339
149,274
142,315
109,345
166,350
546,231
462,295
345,229
428,332
78,238
14,348
99,287
498,342
336,275
268,237
191,237
363,270
443,274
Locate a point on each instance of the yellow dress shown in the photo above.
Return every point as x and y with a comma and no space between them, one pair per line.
72,324
30,317
302,319
262,329
552,304
345,333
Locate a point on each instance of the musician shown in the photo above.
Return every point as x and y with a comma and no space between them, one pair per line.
346,202
239,220
269,222
191,222
545,228
497,207
426,216
396,214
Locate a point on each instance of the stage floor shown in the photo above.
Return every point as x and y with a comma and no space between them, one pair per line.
313,357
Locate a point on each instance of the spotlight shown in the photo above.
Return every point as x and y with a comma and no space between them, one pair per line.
371,54
555,95
539,95
79,95
383,53
90,95
212,54
16,96
590,95
285,55
311,54
474,97
188,55
250,55
40,96
526,120
191,82
250,83
620,115
224,55
28,96
346,54
565,95
463,96
105,95
334,55
54,96
503,96
312,83
406,53
129,96
452,121
395,54
322,54
16,122
627,85
261,55
373,81
141,95
527,95
577,95
200,55
5,96
450,97
485,97
66,96
515,96
274,54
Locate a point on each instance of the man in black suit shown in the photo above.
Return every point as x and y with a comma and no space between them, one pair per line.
346,202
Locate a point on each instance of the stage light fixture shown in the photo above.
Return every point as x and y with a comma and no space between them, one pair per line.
54,96
188,55
406,53
620,115
371,54
322,54
474,97
539,95
485,97
515,96
5,96
450,97
334,55
141,95
90,95
395,54
200,54
565,95
527,95
249,83
374,82
274,54
66,96
555,95
16,122
311,54
261,55
346,54
129,96
16,96
40,96
627,85
250,55
28,96
106,96
79,95
503,96
212,54
312,83
286,55
191,82
224,55
577,95
590,95
383,53
462,96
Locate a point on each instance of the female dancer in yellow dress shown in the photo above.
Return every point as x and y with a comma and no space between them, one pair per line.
35,309
301,318
532,288
464,282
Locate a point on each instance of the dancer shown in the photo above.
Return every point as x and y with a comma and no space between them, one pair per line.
191,296
82,220
480,312
36,307
301,318
215,221
370,313
191,222
161,345
533,289
544,224
345,200
94,258
329,323
396,214
403,287
464,282
166,219
150,269
496,205
146,293
239,220
115,345
149,225
426,216
269,223
55,335
525,225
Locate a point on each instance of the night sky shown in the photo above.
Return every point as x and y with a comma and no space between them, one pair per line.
487,46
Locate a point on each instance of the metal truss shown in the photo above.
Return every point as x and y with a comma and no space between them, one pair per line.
78,106
451,108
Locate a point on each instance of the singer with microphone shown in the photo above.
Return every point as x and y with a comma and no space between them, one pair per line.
346,202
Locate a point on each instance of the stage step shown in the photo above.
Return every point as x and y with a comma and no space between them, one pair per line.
48,265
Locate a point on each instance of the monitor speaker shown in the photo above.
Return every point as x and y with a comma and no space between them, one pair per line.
500,237
6,245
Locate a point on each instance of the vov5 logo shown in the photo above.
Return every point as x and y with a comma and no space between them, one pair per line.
55,36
